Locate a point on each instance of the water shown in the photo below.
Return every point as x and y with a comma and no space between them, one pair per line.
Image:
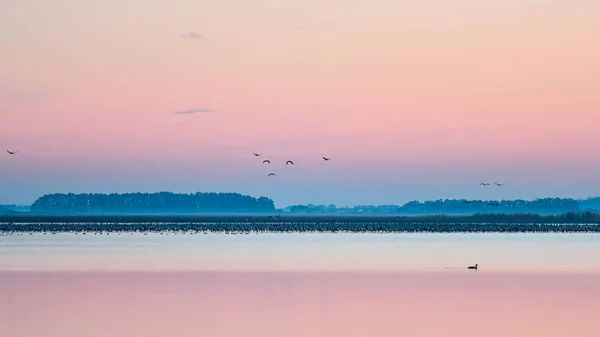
301,251
301,284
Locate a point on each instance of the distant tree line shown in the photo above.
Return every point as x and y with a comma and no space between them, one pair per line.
163,202
457,206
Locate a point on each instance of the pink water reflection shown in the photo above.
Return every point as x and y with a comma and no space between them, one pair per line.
226,304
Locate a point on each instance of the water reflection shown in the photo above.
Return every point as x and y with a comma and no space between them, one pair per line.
345,304
302,251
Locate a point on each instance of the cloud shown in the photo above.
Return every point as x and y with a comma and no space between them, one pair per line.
537,92
191,35
193,111
300,27
6,95
162,295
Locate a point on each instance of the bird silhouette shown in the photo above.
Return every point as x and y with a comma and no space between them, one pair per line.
271,174
326,159
11,152
484,184
266,161
499,184
473,267
289,162
257,154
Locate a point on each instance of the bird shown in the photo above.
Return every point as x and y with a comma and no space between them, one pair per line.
468,201
499,184
484,184
266,161
494,204
473,267
289,162
11,152
271,174
257,154
326,159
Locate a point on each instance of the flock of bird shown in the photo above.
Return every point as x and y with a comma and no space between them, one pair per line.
267,161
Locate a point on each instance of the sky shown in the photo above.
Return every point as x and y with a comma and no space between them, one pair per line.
412,100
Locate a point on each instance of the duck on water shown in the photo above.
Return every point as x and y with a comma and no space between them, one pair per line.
473,267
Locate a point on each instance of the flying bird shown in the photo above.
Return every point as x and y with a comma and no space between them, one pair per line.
257,154
499,184
271,174
289,162
11,152
484,184
326,159
266,161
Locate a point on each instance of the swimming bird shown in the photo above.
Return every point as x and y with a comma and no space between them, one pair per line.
266,161
257,154
271,174
326,159
499,184
11,152
473,267
289,162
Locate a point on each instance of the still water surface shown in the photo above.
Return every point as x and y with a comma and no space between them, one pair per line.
301,251
317,285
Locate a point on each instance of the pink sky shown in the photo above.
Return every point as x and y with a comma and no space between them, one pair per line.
427,97
294,304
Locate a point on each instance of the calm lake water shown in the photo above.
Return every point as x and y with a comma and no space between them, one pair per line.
223,285
301,251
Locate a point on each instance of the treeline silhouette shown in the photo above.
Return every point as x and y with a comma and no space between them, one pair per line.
455,206
154,203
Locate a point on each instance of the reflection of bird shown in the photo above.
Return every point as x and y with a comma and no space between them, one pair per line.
257,154
10,152
473,267
484,184
499,184
271,174
289,162
266,161
326,159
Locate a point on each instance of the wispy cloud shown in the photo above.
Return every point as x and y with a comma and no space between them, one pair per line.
193,111
6,95
300,27
536,92
162,295
191,35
